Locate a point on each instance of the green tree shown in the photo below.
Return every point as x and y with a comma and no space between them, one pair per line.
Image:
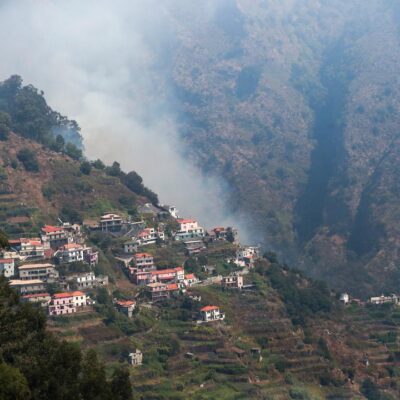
28,159
72,151
98,164
58,144
370,390
94,385
114,170
86,168
5,125
13,384
120,385
3,240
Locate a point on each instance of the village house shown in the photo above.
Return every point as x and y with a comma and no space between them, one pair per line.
28,286
211,313
148,236
384,299
7,267
111,223
45,272
194,246
233,281
142,276
136,358
62,303
246,256
229,234
344,298
54,236
126,307
188,229
143,260
161,291
84,280
42,298
190,280
130,247
176,274
69,253
67,303
28,248
73,252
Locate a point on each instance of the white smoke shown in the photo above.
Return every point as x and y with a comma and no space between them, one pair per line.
98,62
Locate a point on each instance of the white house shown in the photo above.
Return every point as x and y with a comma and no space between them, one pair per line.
345,298
188,229
28,248
136,357
7,267
71,252
384,299
211,313
85,280
147,236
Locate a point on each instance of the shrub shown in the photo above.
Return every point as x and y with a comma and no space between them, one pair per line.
86,168
28,159
48,191
98,164
72,151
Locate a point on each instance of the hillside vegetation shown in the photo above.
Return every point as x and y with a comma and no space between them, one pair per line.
284,336
295,104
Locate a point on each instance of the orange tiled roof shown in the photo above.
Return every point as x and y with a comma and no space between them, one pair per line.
209,308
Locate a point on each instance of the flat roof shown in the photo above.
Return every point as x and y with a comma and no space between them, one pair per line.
34,266
21,282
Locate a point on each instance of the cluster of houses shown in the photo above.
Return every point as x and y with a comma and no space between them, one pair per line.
375,300
63,244
31,265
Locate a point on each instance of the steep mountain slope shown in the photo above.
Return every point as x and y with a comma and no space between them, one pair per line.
295,105
58,189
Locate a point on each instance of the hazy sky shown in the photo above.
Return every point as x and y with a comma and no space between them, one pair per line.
99,63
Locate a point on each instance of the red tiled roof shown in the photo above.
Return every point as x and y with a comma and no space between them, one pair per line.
14,241
142,255
6,260
190,276
172,286
167,271
71,246
78,293
62,295
52,228
32,241
68,294
126,303
209,308
186,221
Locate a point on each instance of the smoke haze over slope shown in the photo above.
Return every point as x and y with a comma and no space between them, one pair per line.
101,63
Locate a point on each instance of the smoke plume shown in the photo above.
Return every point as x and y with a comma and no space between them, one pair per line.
102,63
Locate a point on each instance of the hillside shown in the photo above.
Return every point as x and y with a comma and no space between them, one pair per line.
294,104
283,335
59,189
